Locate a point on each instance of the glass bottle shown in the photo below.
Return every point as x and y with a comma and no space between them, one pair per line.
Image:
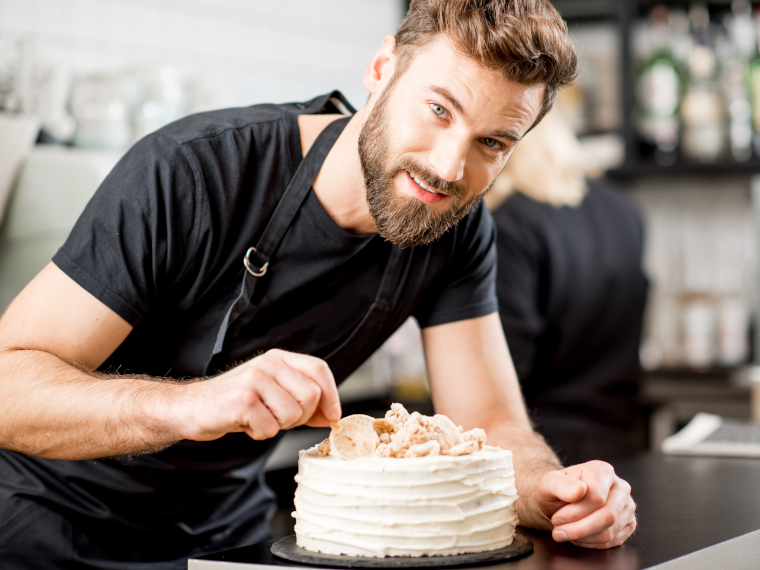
754,87
702,107
658,89
734,58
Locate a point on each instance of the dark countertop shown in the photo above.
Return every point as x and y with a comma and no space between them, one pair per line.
690,503
687,506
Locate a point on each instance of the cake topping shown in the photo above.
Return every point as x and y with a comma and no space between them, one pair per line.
351,440
324,448
383,426
360,419
451,434
400,434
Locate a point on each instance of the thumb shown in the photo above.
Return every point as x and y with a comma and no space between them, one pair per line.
318,419
559,486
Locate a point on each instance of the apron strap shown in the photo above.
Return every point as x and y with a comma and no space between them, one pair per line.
256,259
390,279
363,339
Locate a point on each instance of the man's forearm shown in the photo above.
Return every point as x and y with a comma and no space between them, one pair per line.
53,409
532,458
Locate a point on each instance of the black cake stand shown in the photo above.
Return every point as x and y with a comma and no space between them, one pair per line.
286,548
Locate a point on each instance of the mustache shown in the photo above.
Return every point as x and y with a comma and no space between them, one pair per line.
444,186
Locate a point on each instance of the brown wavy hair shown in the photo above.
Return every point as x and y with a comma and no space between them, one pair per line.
527,40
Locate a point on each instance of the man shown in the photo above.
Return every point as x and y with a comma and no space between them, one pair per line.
206,246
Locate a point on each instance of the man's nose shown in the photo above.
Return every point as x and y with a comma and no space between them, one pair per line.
448,157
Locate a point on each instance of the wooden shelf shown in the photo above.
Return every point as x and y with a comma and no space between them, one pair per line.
636,165
684,169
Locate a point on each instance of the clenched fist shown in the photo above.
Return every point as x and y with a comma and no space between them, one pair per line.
588,504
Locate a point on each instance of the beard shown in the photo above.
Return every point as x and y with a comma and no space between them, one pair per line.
404,220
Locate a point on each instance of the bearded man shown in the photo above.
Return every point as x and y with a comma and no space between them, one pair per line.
134,437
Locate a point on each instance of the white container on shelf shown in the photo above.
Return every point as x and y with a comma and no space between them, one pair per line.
52,189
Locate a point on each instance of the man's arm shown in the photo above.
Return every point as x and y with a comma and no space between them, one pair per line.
55,334
474,383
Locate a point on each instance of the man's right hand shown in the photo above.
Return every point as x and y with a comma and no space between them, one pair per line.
55,334
275,391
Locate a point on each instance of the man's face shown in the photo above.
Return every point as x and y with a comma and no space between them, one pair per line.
436,139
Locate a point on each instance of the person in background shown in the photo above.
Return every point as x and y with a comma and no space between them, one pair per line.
571,295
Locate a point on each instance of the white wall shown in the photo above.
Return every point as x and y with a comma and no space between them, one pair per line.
262,50
242,51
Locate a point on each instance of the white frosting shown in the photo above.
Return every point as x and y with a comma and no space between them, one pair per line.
422,506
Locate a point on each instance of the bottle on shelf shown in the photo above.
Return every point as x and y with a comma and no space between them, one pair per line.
754,87
702,107
735,53
658,92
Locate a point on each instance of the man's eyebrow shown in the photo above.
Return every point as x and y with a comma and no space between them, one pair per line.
446,94
506,135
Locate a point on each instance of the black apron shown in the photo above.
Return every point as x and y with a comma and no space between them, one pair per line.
261,259
202,345
103,528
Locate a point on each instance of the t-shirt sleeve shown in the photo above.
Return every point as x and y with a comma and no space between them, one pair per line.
518,287
468,287
134,238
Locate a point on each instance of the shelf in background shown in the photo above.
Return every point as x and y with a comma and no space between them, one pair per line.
586,10
651,169
646,5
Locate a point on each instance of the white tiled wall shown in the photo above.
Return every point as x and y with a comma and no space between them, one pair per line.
242,51
262,50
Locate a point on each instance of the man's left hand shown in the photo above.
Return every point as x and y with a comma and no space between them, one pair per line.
588,504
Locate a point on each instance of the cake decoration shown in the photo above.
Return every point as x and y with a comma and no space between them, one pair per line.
400,434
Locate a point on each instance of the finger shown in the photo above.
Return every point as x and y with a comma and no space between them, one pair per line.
581,509
317,370
283,406
616,540
613,516
318,420
557,486
623,527
303,389
620,532
597,522
259,423
599,477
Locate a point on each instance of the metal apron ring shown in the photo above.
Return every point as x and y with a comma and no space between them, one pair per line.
278,224
247,263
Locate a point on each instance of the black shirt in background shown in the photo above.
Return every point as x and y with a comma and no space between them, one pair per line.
571,294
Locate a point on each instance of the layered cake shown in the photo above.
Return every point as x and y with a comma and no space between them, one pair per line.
405,485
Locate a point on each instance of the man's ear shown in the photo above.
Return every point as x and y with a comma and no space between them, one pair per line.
380,69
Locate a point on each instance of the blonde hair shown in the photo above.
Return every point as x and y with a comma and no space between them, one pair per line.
546,165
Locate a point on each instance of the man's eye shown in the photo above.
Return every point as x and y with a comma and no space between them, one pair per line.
437,109
491,143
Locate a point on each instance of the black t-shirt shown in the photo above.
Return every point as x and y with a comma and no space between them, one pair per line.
166,233
571,293
160,242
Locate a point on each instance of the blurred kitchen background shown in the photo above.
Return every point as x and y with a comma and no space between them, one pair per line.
667,105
